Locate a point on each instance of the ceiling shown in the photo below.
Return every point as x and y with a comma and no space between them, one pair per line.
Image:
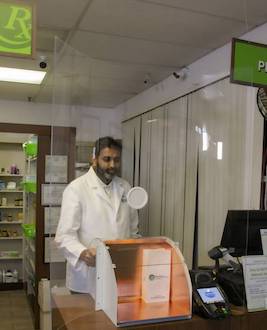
122,47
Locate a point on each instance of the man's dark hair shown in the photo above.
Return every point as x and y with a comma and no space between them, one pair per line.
106,142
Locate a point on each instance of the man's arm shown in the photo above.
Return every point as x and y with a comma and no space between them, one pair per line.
88,256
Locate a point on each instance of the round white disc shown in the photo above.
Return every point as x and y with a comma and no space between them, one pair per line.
137,197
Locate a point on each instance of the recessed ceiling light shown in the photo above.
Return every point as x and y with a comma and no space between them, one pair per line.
21,75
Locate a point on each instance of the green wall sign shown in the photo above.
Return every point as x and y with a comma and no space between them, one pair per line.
249,63
16,28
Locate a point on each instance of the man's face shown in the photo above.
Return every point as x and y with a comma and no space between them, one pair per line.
107,164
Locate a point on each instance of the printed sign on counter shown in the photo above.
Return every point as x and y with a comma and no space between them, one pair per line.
255,276
264,241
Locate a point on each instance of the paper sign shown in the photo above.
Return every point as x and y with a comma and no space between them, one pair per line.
264,240
56,169
52,194
52,253
255,276
51,219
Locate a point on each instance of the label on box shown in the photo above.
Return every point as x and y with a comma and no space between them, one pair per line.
156,273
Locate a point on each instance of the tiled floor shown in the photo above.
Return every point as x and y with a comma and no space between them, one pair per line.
15,313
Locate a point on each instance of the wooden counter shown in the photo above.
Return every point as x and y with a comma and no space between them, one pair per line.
76,312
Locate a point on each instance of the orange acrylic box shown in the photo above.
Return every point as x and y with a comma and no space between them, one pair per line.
142,280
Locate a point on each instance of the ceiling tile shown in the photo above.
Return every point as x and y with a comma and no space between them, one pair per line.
59,13
105,69
134,51
45,38
255,11
146,21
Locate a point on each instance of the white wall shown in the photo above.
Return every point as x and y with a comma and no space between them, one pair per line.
206,70
89,122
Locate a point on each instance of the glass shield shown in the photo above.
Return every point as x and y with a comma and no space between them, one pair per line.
197,151
76,125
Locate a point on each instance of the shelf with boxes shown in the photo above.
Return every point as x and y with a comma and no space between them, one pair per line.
10,279
11,219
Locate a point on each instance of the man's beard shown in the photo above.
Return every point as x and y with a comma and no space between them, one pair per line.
105,175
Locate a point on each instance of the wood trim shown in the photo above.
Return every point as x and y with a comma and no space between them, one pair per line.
25,128
63,142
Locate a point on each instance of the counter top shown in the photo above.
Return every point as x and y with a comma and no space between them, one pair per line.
76,312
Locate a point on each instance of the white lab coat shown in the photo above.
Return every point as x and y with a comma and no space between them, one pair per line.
87,213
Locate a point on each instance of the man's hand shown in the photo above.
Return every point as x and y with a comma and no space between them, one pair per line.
88,256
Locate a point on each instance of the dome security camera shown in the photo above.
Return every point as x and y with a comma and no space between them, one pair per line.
42,62
147,79
43,65
181,74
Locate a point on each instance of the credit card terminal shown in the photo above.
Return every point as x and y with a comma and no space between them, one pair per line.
209,298
211,302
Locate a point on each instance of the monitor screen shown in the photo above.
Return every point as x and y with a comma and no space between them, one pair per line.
241,232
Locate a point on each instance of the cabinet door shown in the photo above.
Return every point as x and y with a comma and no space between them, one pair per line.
174,171
144,170
131,150
156,188
151,170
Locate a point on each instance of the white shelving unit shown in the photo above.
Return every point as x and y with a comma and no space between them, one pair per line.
11,218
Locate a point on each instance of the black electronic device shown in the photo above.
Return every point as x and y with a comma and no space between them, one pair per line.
241,235
229,276
232,283
209,299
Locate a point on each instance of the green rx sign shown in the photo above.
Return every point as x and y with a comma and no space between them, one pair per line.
249,63
16,25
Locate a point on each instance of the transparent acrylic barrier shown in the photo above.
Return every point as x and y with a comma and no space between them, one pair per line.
198,155
75,127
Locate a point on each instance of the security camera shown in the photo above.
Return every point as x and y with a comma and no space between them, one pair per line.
181,75
43,62
147,79
176,75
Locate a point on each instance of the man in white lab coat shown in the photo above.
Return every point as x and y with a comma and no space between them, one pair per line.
94,206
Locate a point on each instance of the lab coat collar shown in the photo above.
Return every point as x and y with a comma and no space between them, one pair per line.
118,189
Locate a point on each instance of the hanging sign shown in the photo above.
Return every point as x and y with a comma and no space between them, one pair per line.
17,28
249,63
